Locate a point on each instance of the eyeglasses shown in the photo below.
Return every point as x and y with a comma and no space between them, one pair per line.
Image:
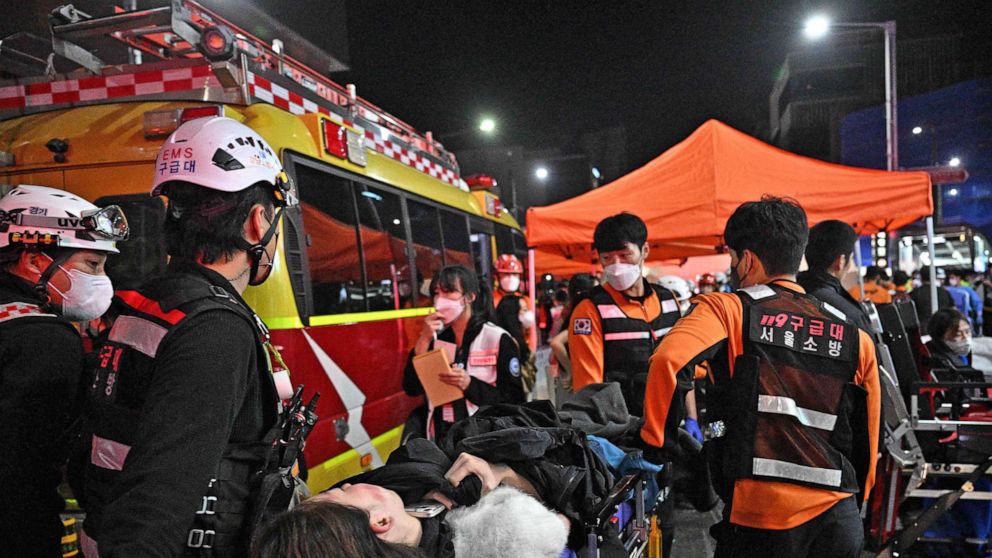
108,222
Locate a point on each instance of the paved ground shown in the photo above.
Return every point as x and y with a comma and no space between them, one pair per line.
692,538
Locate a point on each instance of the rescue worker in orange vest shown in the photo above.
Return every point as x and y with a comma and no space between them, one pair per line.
53,247
876,286
509,272
793,402
613,332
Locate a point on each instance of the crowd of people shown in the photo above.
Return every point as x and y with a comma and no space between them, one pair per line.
772,368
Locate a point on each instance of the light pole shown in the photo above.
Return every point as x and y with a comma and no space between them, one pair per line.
818,26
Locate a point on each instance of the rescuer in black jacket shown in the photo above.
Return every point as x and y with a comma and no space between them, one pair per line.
51,274
830,256
183,397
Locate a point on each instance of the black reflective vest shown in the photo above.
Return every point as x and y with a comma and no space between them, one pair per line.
791,412
629,342
123,366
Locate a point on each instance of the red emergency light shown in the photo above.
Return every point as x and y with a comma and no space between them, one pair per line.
335,139
479,182
160,123
217,43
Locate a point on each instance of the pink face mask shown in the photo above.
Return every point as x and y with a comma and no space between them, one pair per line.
449,309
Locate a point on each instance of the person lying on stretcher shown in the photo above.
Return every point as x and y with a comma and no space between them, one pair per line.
369,520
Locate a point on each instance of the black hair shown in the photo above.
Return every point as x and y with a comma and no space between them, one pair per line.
209,224
318,529
579,287
900,277
508,317
774,229
613,233
944,320
827,241
875,272
449,279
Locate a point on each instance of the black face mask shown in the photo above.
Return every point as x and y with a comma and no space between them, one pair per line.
257,275
735,279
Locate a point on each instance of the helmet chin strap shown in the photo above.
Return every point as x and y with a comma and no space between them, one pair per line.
255,252
41,287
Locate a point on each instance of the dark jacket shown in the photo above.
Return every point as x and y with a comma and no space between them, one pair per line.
921,298
41,364
205,391
827,288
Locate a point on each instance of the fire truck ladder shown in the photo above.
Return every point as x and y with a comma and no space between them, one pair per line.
184,51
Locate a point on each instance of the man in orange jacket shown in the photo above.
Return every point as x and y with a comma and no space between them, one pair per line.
613,331
876,286
793,399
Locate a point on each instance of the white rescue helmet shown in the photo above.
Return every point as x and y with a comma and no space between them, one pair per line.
221,154
42,216
678,286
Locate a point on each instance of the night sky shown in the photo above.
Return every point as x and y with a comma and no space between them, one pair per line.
551,70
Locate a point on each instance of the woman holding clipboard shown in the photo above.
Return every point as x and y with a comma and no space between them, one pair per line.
482,358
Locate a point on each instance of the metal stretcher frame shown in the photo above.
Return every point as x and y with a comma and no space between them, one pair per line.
902,445
633,535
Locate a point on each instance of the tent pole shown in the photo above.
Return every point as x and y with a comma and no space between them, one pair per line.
857,256
933,266
532,287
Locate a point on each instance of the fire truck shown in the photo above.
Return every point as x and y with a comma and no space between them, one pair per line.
383,207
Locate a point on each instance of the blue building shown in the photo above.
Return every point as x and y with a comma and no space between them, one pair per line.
935,128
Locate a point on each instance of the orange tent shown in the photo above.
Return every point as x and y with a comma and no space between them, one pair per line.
687,193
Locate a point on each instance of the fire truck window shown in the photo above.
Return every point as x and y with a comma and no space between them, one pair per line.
327,204
143,253
426,241
457,249
384,248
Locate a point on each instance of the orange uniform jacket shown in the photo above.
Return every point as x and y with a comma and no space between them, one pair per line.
716,319
586,349
874,292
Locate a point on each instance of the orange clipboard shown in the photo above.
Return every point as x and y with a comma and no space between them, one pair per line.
429,367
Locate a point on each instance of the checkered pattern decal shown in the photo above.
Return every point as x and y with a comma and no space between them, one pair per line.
101,88
14,310
155,82
283,98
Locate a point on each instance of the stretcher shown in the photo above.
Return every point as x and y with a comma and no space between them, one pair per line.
933,492
621,517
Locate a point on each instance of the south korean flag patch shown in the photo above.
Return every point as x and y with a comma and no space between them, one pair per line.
582,326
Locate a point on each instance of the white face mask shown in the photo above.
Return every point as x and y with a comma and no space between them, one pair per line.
449,309
527,319
88,297
509,283
622,276
959,348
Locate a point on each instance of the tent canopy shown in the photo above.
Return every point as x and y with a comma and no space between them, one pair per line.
687,193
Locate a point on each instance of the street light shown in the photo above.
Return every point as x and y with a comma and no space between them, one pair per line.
487,125
955,162
541,173
917,130
818,26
